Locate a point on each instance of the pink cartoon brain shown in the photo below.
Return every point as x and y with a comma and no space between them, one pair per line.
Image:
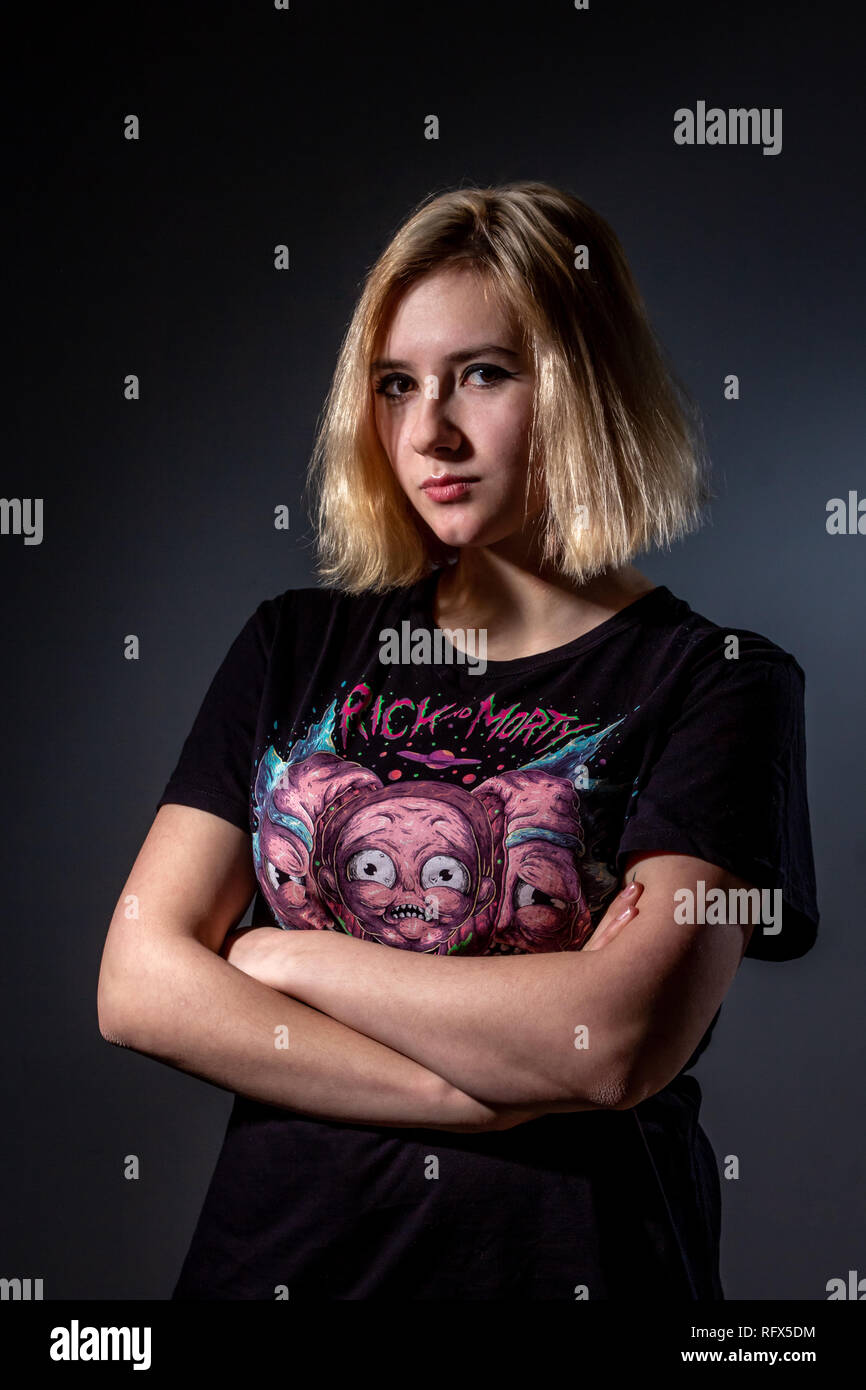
543,906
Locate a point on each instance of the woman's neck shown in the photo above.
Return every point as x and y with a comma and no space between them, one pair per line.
523,610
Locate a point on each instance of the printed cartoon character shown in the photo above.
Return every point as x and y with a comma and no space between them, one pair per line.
289,797
417,866
542,906
429,866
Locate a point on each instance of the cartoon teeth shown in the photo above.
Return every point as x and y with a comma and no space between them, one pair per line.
401,910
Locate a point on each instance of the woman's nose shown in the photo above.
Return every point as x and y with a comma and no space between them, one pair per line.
432,426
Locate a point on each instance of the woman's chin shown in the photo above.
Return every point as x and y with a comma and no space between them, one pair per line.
459,537
454,533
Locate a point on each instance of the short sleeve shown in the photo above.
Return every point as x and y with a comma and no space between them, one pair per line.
214,768
729,786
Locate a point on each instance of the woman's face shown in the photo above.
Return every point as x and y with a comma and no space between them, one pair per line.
453,400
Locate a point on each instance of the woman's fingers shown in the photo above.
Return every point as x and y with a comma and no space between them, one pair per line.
603,936
622,910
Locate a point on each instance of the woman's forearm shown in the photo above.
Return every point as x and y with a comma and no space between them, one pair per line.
189,1008
494,1026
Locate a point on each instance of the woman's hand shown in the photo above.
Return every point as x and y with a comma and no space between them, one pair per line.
622,909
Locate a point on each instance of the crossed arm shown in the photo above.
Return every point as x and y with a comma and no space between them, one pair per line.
605,1026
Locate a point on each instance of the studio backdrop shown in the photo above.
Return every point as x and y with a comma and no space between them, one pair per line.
195,195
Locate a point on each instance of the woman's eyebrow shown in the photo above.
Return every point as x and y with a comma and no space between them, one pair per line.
381,364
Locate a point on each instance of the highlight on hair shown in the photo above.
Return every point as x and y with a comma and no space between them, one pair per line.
615,436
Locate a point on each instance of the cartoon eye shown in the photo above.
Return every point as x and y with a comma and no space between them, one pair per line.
527,896
372,865
444,872
277,877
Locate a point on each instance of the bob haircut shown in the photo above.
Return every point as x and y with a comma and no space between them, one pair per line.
615,437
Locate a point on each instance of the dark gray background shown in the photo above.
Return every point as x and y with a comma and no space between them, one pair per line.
306,127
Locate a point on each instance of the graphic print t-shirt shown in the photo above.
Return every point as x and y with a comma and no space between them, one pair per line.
396,789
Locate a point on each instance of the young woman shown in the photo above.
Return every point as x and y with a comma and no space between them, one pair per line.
568,820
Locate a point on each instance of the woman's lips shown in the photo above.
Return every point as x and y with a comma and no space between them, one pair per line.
448,492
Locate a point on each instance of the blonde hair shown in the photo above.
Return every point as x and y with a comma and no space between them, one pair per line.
613,430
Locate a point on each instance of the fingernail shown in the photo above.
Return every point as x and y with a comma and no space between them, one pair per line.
622,916
630,891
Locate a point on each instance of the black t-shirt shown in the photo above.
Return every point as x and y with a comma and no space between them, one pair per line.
545,773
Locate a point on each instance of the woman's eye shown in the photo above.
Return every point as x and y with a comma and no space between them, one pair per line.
501,373
382,387
385,382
